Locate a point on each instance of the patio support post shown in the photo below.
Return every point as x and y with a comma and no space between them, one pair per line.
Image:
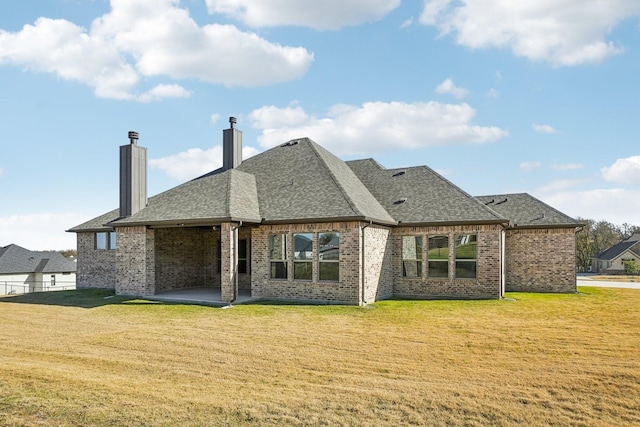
229,260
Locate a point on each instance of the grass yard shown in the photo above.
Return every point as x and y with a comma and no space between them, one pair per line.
74,358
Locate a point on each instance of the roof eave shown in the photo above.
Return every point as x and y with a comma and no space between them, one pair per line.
172,223
329,219
441,223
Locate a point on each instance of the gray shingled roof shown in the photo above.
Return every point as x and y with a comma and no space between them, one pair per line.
301,181
525,211
618,249
419,195
213,198
15,259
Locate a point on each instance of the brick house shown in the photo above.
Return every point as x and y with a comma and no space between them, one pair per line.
23,271
297,223
613,259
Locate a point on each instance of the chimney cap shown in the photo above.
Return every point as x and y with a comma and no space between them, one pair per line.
133,136
232,121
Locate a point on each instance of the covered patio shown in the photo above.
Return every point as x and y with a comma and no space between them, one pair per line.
205,296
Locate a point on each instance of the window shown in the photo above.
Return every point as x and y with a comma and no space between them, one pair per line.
438,256
278,255
243,249
329,256
101,240
412,256
466,256
53,280
303,256
106,240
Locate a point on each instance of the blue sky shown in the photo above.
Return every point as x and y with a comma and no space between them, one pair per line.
499,97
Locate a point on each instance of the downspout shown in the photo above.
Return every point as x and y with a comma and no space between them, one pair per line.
235,261
362,258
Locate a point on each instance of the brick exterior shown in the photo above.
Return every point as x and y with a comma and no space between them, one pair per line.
378,263
135,261
185,257
95,268
152,260
541,260
346,291
487,284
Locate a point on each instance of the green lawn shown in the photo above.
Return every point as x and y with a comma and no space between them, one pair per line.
85,358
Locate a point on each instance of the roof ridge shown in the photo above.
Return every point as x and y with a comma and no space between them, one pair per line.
314,146
461,191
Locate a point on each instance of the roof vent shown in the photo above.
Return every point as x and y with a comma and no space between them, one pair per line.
400,201
399,173
290,143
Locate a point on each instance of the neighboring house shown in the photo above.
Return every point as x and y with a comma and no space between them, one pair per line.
297,223
612,260
23,271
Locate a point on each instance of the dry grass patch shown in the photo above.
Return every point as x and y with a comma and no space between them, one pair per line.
75,358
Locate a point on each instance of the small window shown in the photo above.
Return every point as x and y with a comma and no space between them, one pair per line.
466,256
329,256
412,256
438,256
106,240
53,280
303,256
278,256
243,249
101,240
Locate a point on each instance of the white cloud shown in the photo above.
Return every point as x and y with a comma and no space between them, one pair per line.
562,32
215,117
623,171
164,91
598,204
149,38
543,128
493,93
40,231
375,127
407,23
2,171
448,87
320,15
530,166
195,162
567,166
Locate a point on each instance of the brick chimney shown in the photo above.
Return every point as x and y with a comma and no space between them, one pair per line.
133,177
231,146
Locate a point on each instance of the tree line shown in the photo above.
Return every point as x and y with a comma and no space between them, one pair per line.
597,236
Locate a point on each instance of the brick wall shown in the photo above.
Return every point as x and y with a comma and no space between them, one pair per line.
346,290
541,260
378,263
135,261
95,268
185,258
487,282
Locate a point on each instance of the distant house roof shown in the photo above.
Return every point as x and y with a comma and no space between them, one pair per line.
618,249
17,260
525,211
